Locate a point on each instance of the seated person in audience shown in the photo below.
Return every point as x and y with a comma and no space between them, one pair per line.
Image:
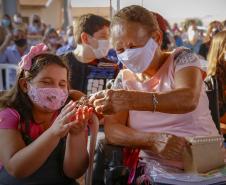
52,40
5,38
18,22
36,27
158,99
70,43
91,33
14,53
6,22
194,40
36,30
217,67
20,47
44,138
213,28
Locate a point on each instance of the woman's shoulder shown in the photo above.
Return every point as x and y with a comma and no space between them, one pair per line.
184,57
9,118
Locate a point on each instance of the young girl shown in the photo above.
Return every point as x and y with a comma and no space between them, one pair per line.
40,143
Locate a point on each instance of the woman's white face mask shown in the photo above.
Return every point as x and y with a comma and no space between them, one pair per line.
102,49
139,59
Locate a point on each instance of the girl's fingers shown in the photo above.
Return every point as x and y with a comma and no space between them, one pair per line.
90,113
69,125
85,113
68,116
65,107
79,115
68,109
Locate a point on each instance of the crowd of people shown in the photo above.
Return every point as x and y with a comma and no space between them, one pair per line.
156,98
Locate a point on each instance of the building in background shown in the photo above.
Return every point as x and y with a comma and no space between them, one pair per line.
54,12
102,11
1,9
50,11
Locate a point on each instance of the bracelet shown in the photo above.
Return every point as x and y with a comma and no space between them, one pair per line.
154,102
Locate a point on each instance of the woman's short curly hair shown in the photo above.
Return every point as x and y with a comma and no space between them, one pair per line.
137,14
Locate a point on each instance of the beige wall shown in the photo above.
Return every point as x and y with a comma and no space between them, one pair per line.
52,14
76,12
1,9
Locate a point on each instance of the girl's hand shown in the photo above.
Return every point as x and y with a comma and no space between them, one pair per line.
80,119
63,122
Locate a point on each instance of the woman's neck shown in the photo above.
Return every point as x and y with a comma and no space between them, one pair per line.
82,54
157,62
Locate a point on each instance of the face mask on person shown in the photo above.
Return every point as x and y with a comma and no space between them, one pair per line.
5,22
102,50
18,20
48,98
36,22
53,41
21,42
139,59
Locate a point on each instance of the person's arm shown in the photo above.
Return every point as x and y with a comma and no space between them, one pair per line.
6,42
21,160
184,98
76,159
76,155
34,36
164,145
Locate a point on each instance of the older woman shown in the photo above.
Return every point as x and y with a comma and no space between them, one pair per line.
158,92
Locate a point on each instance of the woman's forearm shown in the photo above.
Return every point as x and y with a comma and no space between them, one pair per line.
29,159
119,134
178,101
161,144
76,158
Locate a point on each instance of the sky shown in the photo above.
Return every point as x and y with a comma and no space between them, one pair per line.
172,10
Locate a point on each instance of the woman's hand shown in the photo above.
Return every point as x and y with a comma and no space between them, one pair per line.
112,101
63,122
170,147
80,119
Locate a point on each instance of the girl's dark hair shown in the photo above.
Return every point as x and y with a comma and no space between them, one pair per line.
17,99
137,14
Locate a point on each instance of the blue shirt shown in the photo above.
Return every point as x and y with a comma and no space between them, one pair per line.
195,48
12,54
2,58
65,49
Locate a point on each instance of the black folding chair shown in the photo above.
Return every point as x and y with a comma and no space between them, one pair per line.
212,93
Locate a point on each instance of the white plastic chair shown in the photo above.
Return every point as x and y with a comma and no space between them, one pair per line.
94,128
7,68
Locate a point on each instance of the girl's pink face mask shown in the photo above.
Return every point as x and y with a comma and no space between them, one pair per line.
48,98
